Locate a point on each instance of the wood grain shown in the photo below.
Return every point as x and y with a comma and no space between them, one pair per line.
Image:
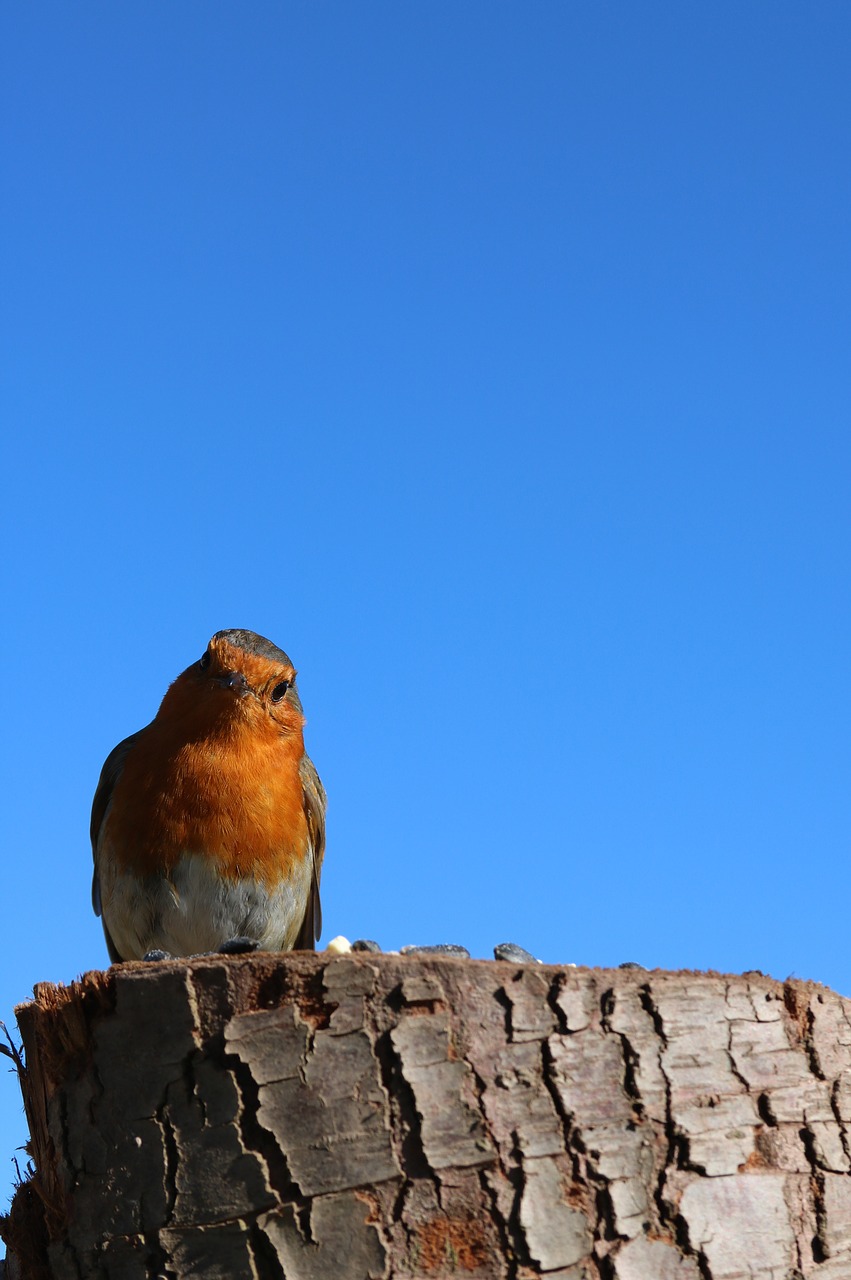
304,1116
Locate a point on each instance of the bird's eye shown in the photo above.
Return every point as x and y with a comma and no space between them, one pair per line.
280,690
205,661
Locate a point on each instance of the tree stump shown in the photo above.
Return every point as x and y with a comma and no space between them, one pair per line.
311,1117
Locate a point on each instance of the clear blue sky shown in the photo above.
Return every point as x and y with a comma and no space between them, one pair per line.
492,359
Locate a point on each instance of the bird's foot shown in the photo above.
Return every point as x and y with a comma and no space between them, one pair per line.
366,944
517,955
157,954
237,947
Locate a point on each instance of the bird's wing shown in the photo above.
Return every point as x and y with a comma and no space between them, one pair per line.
313,794
109,775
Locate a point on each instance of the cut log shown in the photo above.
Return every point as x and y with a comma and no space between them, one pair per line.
307,1117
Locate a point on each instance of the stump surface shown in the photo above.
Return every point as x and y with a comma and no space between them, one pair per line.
307,1116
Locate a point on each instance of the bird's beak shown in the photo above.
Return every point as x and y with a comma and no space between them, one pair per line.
234,680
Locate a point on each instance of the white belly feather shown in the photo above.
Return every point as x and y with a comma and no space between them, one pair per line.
194,910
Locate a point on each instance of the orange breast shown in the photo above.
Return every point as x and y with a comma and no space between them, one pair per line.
234,794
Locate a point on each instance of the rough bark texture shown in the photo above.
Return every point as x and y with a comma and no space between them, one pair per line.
366,1116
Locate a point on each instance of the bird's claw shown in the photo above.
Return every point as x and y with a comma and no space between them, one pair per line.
156,954
238,947
366,944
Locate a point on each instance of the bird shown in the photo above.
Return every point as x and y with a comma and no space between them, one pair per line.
208,825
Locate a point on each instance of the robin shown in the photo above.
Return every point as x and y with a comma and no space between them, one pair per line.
208,825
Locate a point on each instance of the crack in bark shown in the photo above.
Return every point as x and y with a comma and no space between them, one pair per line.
808,1142
677,1154
503,999
804,1021
171,1151
734,1066
566,1120
172,1157
264,1255
821,1253
408,1147
553,992
405,1131
668,1216
840,1123
586,1167
258,1139
156,1264
810,1044
510,1230
399,1215
631,1056
606,1267
820,1250
764,1111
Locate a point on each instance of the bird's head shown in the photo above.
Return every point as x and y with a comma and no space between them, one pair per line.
241,678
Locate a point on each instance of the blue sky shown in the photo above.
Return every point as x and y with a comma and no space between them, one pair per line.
492,359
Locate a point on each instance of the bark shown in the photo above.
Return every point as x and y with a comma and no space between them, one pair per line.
364,1116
